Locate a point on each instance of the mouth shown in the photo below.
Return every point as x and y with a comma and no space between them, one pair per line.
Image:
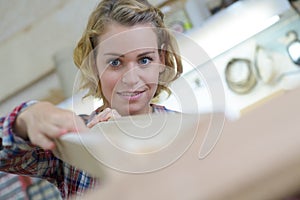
134,95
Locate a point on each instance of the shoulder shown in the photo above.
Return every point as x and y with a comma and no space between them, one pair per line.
161,109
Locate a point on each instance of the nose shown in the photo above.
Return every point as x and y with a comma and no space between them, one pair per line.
131,77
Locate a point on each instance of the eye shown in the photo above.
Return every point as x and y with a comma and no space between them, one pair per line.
114,63
145,60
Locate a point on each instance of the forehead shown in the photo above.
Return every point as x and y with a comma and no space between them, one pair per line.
123,39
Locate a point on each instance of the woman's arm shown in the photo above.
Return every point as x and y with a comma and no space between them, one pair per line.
26,134
43,122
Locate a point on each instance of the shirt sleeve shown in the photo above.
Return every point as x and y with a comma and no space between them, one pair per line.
19,156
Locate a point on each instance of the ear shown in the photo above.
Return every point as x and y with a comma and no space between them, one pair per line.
162,57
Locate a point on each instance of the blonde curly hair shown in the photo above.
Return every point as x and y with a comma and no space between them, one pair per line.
128,13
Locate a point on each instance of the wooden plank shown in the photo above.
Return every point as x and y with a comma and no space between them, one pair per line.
257,157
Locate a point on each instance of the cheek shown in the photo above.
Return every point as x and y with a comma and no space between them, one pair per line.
152,75
108,84
152,79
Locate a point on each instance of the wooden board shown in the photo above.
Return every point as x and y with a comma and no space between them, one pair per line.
256,157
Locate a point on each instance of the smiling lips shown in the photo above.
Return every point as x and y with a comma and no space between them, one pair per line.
131,96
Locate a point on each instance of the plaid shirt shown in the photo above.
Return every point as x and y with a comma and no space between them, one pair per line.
19,156
24,187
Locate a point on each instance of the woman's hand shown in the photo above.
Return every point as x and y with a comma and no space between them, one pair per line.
105,115
43,122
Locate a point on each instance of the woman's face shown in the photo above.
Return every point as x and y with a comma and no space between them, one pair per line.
129,64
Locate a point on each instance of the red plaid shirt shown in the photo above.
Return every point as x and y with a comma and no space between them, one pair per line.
21,157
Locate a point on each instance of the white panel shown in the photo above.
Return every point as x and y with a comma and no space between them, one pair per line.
29,54
16,15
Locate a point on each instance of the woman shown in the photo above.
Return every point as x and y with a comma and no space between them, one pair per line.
127,58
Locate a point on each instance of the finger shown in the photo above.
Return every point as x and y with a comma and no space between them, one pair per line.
115,114
103,115
79,125
50,130
107,116
99,118
41,140
44,135
69,122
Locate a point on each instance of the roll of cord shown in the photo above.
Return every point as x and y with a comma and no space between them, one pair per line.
243,86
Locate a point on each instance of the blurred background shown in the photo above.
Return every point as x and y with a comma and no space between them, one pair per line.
247,42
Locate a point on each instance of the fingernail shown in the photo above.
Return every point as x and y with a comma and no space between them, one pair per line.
63,131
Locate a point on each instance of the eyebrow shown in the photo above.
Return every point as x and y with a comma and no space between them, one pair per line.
114,54
146,53
122,55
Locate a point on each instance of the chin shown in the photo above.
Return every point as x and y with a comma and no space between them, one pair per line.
135,110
